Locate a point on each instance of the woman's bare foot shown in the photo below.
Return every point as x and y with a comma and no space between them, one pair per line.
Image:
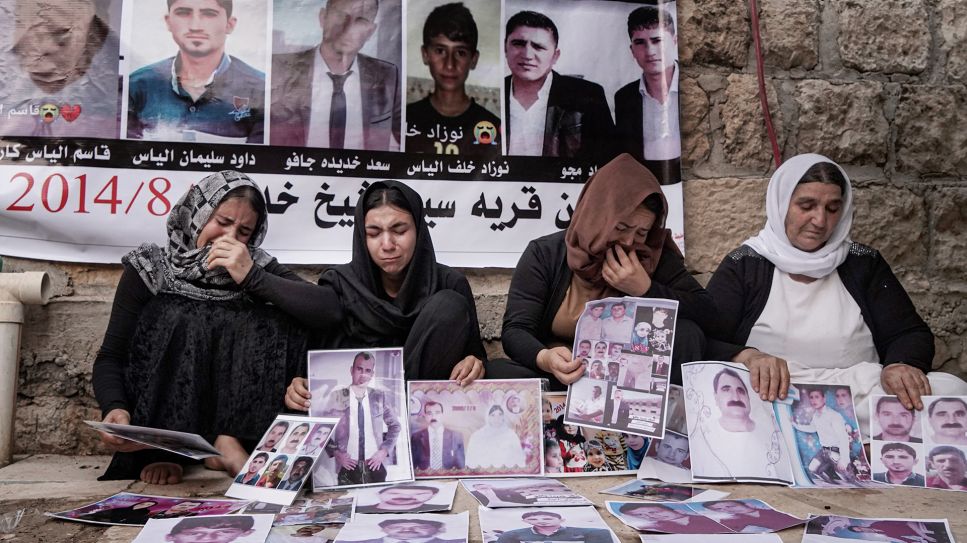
162,473
233,456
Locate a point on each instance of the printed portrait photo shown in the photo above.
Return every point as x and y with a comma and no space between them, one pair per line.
826,436
224,529
835,528
891,421
746,516
364,390
571,450
306,533
418,497
672,450
336,74
947,420
582,524
129,509
453,78
898,463
425,527
495,493
946,467
59,62
487,428
672,518
733,435
196,71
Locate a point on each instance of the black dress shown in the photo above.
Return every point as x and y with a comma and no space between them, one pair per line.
206,367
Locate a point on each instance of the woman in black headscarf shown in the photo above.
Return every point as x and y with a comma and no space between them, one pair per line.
395,293
189,347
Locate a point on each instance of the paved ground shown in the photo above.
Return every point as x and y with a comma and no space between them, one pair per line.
45,483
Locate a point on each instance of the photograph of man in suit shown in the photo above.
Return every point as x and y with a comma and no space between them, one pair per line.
646,110
549,114
411,529
332,95
549,526
403,498
359,445
436,447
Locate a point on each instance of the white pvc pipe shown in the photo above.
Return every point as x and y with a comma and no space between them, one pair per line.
16,289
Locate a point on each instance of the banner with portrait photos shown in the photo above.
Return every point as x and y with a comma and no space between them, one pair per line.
111,109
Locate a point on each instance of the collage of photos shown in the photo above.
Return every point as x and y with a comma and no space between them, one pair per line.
669,458
424,527
745,516
189,445
224,529
365,391
571,450
310,510
820,424
485,429
626,344
419,497
926,449
830,529
127,509
344,74
283,459
582,524
733,435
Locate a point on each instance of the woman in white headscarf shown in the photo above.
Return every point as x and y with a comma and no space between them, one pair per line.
801,301
496,445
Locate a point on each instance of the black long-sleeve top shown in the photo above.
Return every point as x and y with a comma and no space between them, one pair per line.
741,286
543,277
273,283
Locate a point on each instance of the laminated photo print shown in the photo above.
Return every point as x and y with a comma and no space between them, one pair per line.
626,346
127,509
582,524
364,390
733,435
496,493
820,425
830,528
186,444
426,527
416,497
746,516
658,492
572,450
705,517
487,428
668,459
919,448
283,460
224,529
312,511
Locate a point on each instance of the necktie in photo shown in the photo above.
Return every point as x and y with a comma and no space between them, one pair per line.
361,427
337,111
436,451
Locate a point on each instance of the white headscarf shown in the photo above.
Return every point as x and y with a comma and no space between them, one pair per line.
772,243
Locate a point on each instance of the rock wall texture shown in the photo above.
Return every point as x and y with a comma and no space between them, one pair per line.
878,86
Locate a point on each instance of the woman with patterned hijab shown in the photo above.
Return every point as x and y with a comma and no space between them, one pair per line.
188,346
616,245
801,301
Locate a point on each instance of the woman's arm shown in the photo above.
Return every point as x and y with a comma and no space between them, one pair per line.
108,375
315,306
528,296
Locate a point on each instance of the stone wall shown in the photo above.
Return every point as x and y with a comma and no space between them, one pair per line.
877,85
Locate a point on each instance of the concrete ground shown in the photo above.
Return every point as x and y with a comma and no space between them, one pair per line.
47,483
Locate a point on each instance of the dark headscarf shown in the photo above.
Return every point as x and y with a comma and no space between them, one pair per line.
610,195
180,268
370,315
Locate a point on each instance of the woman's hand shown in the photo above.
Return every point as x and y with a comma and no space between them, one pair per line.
558,362
297,394
624,272
467,371
115,443
907,383
231,254
769,374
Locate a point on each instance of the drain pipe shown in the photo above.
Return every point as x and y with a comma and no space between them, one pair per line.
16,289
